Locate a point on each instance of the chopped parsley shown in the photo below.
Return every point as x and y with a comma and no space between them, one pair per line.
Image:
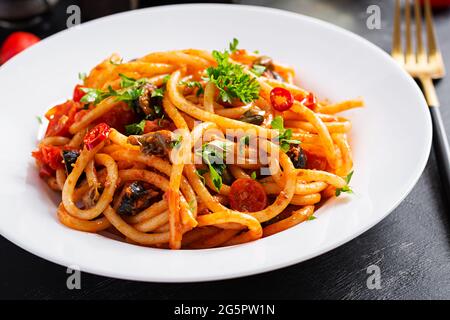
131,89
213,155
82,76
233,45
284,138
177,142
200,173
194,84
166,79
95,95
231,80
135,128
311,218
39,119
158,92
253,175
347,188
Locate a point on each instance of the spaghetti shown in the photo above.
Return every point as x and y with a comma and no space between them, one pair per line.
194,149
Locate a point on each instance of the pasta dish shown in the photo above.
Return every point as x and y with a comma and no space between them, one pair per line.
191,149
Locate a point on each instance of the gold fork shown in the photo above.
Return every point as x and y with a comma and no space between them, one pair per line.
424,65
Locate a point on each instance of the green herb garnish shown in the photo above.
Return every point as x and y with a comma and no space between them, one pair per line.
135,128
39,119
213,155
82,76
194,84
284,138
231,80
347,188
233,45
158,92
253,175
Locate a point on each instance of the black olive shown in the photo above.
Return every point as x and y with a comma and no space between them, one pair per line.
252,118
70,157
156,143
297,156
134,198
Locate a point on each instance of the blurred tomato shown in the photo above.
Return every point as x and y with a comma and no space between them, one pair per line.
438,3
15,43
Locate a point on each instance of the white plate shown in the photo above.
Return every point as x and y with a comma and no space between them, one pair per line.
391,137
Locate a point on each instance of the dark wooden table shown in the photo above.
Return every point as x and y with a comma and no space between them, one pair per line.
411,246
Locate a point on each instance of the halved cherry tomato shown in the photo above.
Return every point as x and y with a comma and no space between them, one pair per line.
15,43
247,195
96,135
61,117
50,156
310,101
315,162
281,99
118,117
78,93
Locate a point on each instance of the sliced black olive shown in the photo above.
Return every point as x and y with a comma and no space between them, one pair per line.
297,156
251,117
135,197
150,106
70,157
154,143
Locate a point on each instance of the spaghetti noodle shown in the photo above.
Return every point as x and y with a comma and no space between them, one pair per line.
193,149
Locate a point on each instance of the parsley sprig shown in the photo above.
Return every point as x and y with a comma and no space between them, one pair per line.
230,79
285,137
347,188
131,89
213,155
194,84
135,128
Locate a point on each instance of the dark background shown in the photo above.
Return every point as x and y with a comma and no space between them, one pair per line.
411,246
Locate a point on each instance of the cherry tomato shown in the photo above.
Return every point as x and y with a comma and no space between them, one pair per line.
78,93
281,99
315,162
50,156
15,43
438,3
118,117
96,135
61,117
247,195
310,101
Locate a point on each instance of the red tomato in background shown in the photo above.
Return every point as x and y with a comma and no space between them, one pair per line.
438,3
15,43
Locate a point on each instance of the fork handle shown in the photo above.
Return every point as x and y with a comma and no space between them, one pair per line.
441,149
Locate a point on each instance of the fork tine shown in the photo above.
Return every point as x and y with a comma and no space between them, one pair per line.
397,51
420,53
410,57
431,36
